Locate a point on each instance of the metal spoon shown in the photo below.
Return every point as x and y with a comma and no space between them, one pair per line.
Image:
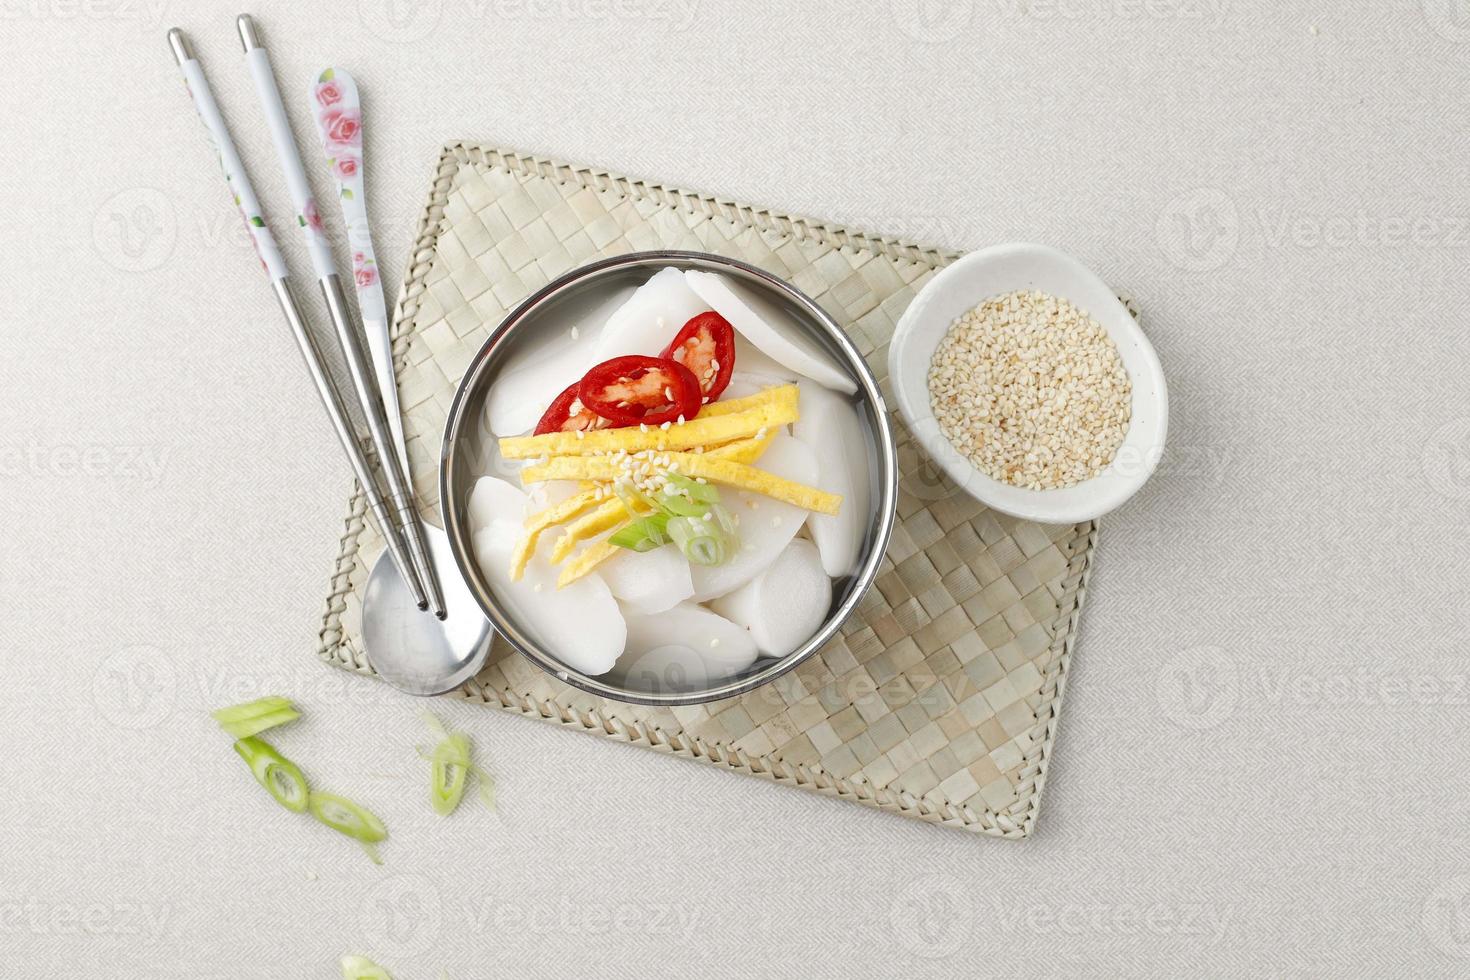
421,654
415,653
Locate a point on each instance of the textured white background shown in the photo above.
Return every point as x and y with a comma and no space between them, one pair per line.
1262,765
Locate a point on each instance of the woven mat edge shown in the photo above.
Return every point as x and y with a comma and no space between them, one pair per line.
1015,822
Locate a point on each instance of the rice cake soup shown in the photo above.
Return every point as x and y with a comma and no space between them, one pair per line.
678,483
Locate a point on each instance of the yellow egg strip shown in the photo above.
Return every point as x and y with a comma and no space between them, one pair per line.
743,450
732,405
521,557
540,521
613,512
610,514
592,556
738,475
771,408
563,510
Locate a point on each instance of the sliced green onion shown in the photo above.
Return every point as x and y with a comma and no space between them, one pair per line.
656,526
633,498
451,772
704,493
452,769
722,518
362,968
250,709
688,513
275,772
432,720
700,541
254,726
346,817
681,506
487,787
643,533
633,537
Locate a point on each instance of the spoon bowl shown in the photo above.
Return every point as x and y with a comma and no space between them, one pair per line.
413,650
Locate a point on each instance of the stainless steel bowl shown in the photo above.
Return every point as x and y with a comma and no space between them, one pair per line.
468,449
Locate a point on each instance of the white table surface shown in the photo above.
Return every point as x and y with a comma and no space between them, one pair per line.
1262,764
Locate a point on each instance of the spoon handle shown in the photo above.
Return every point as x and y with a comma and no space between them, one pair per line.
337,109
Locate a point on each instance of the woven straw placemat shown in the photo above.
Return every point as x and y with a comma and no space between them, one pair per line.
939,699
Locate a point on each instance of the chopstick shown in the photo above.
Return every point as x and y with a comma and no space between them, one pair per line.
364,378
275,268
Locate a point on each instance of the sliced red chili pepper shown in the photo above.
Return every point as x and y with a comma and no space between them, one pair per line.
566,414
636,389
706,346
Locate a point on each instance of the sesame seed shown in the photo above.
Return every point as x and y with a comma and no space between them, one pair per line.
715,642
1031,390
576,333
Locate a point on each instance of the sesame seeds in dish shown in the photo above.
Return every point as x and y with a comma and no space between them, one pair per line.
1031,390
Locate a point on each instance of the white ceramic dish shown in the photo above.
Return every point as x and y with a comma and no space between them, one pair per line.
960,287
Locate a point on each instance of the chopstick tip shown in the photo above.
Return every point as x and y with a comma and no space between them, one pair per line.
179,45
249,37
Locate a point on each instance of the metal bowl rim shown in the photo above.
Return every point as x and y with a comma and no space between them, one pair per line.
885,509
